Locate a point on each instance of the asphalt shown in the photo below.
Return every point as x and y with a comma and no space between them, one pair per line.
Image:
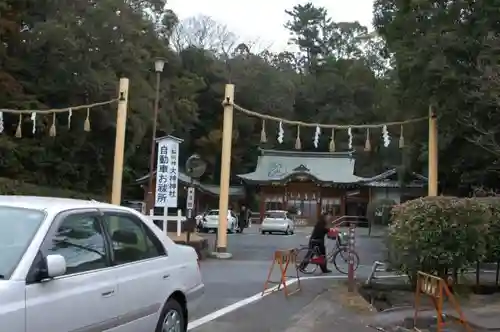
231,281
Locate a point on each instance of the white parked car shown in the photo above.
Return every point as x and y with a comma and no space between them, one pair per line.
210,222
277,221
75,265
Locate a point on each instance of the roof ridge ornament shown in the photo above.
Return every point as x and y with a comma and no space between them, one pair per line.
301,168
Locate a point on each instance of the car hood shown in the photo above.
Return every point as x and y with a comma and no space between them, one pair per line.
11,294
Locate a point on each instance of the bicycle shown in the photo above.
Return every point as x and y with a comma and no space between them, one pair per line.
312,258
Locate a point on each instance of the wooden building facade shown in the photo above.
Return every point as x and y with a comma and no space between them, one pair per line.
311,182
206,195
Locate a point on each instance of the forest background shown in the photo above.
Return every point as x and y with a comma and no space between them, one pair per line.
62,53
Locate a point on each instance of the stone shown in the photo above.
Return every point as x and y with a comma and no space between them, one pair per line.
197,242
402,329
221,255
422,322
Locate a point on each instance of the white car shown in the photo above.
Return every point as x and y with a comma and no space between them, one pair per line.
75,265
277,221
210,222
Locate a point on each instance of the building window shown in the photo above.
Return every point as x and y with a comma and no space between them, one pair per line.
273,203
331,203
305,208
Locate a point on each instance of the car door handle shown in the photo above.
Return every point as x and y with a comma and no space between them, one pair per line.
166,276
108,293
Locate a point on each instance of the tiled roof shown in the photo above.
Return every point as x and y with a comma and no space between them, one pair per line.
274,165
208,188
325,167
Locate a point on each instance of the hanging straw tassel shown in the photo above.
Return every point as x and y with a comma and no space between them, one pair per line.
263,136
368,145
70,114
401,139
1,123
52,130
298,144
86,125
33,119
332,141
19,132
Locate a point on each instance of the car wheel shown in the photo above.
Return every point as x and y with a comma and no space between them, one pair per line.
172,318
263,233
287,232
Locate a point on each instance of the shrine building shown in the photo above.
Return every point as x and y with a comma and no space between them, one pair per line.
311,182
206,195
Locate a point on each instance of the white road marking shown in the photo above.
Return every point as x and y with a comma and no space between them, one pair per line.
249,300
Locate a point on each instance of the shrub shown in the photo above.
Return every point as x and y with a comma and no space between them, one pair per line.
437,234
493,235
17,187
378,211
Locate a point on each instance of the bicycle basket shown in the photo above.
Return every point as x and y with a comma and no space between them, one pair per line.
333,233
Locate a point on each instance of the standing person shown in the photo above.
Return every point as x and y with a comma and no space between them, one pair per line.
243,217
317,239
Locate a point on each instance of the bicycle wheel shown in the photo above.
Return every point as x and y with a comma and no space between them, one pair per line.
303,256
341,260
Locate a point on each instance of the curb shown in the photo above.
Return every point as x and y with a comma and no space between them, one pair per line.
221,255
201,247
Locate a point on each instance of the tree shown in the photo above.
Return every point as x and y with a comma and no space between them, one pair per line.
205,33
442,50
59,53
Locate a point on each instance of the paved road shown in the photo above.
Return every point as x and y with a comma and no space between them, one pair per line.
231,281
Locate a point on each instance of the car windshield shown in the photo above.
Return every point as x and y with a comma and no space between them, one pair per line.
216,213
18,226
275,215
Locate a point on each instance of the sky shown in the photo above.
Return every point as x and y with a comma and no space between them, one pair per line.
263,20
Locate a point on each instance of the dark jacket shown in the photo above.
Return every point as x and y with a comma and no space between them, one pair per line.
320,229
244,215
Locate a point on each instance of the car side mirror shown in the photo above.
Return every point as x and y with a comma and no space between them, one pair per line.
56,265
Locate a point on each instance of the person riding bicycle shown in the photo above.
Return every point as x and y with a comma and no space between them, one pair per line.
318,234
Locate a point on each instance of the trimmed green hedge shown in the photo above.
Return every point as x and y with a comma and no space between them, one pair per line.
493,238
442,234
16,187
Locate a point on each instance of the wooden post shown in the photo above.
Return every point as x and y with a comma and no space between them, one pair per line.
370,218
350,269
433,153
121,123
179,222
262,204
225,168
165,218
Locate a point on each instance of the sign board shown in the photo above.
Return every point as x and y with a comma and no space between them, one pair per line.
437,289
167,173
190,198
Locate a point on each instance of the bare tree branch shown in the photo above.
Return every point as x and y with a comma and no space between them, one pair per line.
205,33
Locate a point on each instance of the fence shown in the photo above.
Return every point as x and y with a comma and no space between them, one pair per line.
170,223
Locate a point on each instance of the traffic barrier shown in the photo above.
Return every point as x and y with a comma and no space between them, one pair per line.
283,258
436,288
